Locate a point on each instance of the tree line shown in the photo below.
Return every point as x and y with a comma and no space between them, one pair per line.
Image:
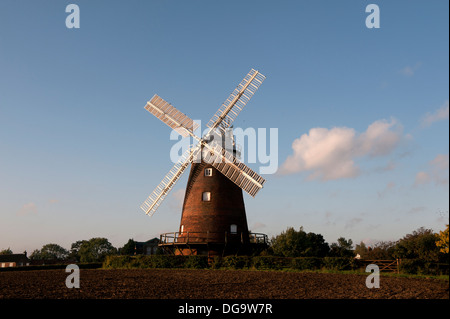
84,251
420,244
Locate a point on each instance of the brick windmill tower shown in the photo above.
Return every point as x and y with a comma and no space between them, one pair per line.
213,220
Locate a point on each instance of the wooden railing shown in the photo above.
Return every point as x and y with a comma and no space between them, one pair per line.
383,265
210,237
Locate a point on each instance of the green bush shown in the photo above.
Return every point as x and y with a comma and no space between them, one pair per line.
236,262
409,266
257,262
196,262
419,266
339,263
306,263
116,261
153,261
217,263
422,267
158,261
266,262
136,262
164,261
441,269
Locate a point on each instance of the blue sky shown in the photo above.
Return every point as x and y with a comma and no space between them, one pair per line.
362,114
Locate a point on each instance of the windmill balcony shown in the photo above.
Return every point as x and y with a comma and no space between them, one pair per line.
175,238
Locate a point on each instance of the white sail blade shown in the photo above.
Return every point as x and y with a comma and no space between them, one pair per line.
155,199
177,120
230,109
236,171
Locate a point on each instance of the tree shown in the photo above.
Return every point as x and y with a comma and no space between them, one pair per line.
292,243
54,251
7,251
421,244
75,248
50,252
343,248
35,255
382,250
317,245
128,248
442,241
361,250
93,250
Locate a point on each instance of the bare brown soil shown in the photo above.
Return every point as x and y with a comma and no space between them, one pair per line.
216,284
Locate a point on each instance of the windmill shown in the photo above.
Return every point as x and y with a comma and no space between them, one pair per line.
213,218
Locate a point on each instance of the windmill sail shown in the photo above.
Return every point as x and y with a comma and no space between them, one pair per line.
219,158
155,199
177,120
230,109
236,171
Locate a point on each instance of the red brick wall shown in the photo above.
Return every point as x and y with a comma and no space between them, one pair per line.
225,208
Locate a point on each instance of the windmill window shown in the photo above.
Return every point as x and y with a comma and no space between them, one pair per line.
182,228
208,171
206,196
233,229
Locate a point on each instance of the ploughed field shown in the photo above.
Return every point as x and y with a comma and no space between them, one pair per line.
223,284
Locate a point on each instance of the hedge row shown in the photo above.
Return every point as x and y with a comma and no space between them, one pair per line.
53,266
422,267
269,262
156,261
230,262
407,266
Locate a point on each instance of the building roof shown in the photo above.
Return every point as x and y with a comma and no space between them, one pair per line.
151,241
14,258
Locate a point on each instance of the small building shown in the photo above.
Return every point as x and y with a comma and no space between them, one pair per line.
148,247
14,260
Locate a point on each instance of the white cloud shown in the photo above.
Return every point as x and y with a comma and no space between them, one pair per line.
438,115
440,162
325,152
437,172
410,70
387,190
439,169
379,139
330,153
26,209
422,178
391,165
407,70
